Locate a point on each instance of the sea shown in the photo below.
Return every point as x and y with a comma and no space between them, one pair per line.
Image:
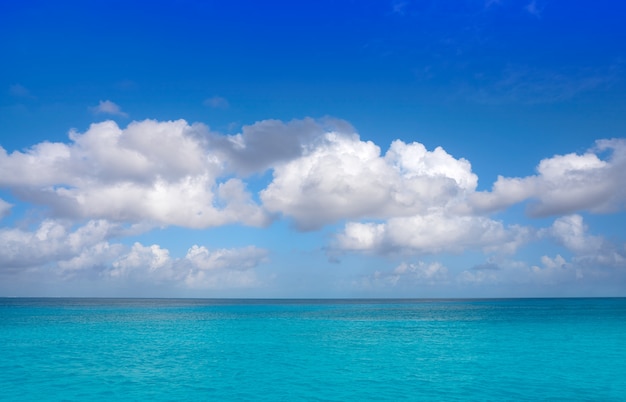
56,349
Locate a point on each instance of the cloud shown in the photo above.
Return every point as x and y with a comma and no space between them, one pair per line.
20,91
570,232
322,173
594,261
593,181
420,273
217,102
589,251
200,268
430,234
209,266
408,275
267,143
159,172
108,107
341,177
52,240
55,247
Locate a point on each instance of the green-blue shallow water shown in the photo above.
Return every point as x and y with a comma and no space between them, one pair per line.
326,350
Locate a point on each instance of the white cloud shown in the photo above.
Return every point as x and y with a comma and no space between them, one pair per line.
217,102
51,241
594,261
91,260
173,173
407,275
589,251
432,233
108,107
159,172
233,267
55,247
570,232
342,177
565,184
420,273
201,268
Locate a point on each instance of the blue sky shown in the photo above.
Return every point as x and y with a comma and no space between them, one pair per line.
325,149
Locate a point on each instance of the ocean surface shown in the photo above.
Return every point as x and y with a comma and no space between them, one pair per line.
312,350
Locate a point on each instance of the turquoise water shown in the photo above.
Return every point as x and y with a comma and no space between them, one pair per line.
329,350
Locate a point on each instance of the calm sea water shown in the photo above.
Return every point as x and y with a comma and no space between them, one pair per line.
330,350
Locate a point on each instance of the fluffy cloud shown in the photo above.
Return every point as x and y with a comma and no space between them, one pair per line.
565,184
108,107
342,177
50,241
407,275
419,273
55,247
173,173
200,268
432,233
588,250
159,172
593,260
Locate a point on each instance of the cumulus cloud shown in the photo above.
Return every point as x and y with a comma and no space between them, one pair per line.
588,250
432,233
52,240
200,268
407,275
87,252
108,107
343,177
420,273
173,173
593,181
160,172
593,260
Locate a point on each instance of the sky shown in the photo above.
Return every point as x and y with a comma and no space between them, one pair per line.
327,149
